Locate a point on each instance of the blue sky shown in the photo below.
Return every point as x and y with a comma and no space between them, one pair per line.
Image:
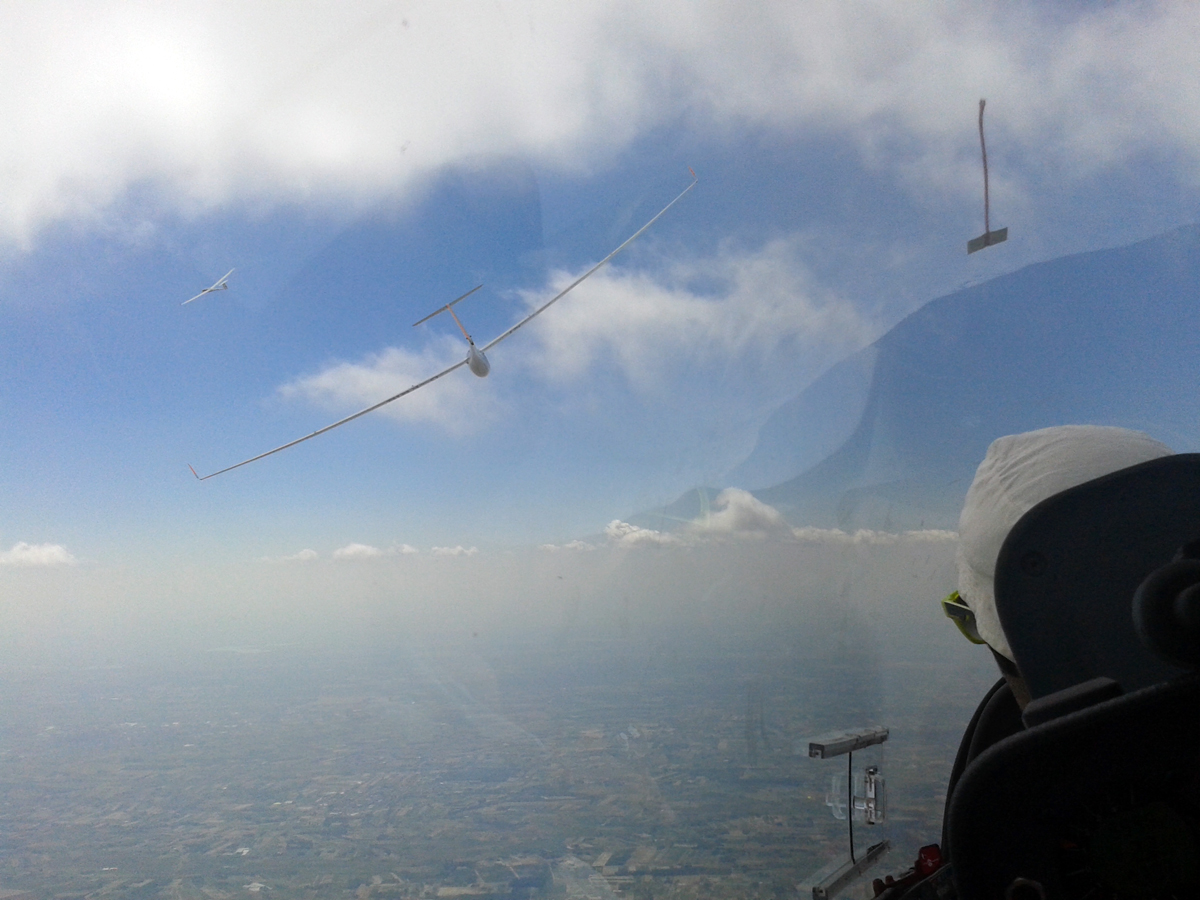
362,163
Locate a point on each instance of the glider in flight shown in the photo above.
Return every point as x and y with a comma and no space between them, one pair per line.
476,359
221,285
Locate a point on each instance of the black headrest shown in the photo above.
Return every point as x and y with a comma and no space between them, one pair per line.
1098,803
1067,572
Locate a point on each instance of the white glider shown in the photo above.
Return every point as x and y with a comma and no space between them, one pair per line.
219,286
476,360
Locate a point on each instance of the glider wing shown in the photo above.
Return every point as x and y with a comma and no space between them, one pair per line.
574,284
220,285
350,418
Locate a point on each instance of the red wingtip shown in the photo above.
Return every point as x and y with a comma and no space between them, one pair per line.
693,171
198,478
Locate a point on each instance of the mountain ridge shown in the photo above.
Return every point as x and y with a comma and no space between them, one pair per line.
890,437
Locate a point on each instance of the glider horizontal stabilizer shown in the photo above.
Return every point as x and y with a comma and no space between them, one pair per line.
987,239
442,309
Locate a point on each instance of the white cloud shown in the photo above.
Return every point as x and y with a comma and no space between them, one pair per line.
740,513
460,550
302,556
37,556
625,534
458,402
219,101
357,551
759,306
570,545
754,304
361,551
835,536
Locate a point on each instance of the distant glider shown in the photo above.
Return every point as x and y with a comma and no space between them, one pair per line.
219,286
476,359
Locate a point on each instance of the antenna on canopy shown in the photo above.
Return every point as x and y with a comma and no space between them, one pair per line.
988,237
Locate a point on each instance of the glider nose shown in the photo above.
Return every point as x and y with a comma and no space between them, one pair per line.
478,363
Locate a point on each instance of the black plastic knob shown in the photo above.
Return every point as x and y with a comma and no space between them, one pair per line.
1166,612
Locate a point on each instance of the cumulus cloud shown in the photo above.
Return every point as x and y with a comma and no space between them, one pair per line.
456,403
302,556
357,551
361,551
740,513
214,102
759,305
25,555
570,545
835,536
460,550
625,534
710,310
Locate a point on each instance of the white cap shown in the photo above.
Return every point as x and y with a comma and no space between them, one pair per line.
1020,471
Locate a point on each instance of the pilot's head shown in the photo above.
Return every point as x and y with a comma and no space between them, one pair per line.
1020,471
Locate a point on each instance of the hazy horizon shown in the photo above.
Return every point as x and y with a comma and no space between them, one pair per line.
442,651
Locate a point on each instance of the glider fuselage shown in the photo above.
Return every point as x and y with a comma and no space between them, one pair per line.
477,362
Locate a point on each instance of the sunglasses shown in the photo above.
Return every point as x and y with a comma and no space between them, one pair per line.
963,617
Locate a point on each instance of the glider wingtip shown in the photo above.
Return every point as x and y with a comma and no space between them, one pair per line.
194,472
694,177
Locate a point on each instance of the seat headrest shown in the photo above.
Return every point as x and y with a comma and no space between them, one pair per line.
1067,572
